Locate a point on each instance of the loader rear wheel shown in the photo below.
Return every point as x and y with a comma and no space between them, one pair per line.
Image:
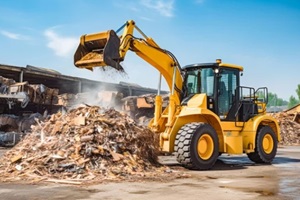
197,146
265,146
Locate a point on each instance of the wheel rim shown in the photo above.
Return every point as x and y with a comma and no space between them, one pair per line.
268,143
205,147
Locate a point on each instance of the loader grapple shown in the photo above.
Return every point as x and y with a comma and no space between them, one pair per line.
98,50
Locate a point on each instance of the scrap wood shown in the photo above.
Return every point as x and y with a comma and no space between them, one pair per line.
289,128
109,146
16,158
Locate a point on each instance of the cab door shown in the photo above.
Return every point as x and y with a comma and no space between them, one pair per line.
227,84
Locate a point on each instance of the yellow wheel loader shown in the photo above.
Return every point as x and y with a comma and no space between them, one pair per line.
208,112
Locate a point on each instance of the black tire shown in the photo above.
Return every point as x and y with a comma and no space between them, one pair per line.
187,146
265,154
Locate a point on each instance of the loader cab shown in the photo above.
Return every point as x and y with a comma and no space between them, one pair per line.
220,82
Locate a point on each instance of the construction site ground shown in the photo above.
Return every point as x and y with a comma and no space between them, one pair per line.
233,177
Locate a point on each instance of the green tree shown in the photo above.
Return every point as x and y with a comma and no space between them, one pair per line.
298,91
292,101
274,100
285,103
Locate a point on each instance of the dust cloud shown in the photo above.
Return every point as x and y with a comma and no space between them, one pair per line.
100,95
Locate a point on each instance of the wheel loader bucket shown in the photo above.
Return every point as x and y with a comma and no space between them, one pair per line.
98,50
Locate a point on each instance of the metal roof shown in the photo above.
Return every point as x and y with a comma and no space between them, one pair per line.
212,65
65,84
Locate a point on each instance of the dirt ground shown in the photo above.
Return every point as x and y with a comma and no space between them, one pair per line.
233,177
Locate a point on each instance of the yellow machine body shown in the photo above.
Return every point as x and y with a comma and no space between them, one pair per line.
234,137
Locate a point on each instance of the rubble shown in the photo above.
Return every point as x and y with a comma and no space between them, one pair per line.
41,98
289,127
88,143
141,108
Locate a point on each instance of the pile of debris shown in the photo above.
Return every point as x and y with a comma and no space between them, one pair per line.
289,127
88,143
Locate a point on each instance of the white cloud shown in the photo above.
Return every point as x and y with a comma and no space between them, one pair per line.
146,19
62,46
164,7
13,36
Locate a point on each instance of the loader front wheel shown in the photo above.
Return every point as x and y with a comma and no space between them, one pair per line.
265,146
197,146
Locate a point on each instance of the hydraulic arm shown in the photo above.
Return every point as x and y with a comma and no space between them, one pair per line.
108,49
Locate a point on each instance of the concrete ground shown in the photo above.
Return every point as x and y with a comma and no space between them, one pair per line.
233,177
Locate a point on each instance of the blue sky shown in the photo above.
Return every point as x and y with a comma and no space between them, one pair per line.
261,35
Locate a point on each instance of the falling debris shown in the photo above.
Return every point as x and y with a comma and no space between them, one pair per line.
86,144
